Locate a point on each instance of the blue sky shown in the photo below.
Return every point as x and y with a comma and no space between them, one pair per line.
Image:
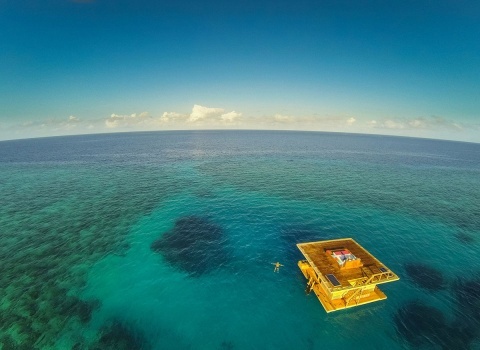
386,67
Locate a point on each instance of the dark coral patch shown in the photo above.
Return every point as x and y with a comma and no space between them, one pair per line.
425,276
467,292
460,335
85,309
119,336
8,343
227,345
467,311
419,324
70,306
464,237
195,245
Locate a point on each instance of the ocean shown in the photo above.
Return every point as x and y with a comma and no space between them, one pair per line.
165,240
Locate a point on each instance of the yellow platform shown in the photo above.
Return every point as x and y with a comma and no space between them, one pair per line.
342,273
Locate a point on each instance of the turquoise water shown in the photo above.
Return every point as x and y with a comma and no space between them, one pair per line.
79,215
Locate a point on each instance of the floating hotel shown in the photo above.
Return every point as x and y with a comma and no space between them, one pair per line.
343,274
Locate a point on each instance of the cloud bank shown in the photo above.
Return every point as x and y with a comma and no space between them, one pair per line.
203,117
116,121
425,123
200,116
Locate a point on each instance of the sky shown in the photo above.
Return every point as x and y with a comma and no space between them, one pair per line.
409,68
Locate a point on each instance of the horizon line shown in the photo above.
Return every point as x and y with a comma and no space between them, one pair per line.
117,132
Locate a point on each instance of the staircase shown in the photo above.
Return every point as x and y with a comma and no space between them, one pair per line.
353,294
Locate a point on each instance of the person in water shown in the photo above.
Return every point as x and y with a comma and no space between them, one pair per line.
277,266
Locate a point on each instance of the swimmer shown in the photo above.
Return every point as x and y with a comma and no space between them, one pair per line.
277,266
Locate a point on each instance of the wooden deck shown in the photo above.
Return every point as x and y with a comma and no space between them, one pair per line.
351,285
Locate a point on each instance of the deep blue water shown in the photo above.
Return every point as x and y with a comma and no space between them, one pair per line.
165,240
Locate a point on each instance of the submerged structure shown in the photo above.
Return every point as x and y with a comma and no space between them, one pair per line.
342,273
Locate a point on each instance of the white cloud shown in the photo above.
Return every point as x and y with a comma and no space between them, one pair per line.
416,123
117,121
212,117
280,118
172,116
392,124
230,116
53,124
114,121
201,113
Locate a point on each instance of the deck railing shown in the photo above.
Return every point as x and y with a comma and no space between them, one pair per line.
375,278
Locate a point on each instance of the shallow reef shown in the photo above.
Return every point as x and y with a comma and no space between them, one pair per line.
425,276
194,245
8,343
62,221
72,306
